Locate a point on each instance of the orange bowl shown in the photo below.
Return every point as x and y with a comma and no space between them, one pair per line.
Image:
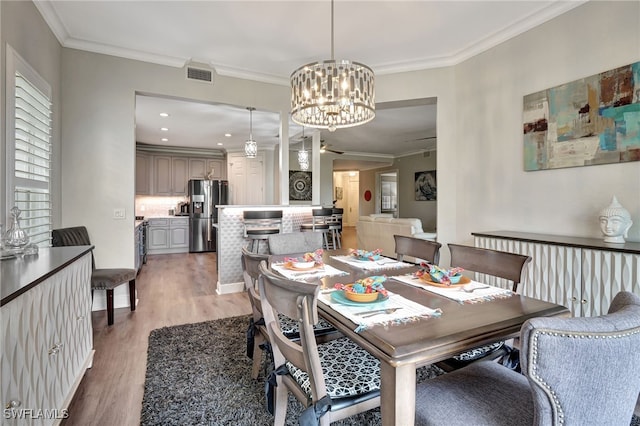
360,297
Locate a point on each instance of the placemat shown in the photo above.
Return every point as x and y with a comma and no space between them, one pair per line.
372,265
405,310
323,271
483,293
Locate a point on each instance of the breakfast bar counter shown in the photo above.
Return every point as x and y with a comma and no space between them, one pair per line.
231,239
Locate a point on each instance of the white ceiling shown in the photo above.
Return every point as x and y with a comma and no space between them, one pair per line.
266,40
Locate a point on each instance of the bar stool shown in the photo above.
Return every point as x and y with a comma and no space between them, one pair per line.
259,224
335,226
320,219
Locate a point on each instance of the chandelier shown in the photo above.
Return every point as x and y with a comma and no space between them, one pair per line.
250,146
303,155
332,94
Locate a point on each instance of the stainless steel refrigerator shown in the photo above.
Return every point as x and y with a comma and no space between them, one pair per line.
204,195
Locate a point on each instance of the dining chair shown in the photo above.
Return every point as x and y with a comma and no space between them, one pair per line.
103,278
500,264
333,380
295,242
418,248
320,222
576,371
257,334
259,224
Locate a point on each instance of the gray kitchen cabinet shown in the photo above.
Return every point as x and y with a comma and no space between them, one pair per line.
203,168
168,235
170,175
143,174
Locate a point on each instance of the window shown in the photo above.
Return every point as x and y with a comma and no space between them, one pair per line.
29,148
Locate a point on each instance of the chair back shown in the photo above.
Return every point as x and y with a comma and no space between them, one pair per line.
585,370
499,264
297,300
418,248
251,272
74,236
295,242
321,216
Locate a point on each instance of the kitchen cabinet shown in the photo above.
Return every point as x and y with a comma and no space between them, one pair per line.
583,274
170,175
168,235
47,340
143,174
203,168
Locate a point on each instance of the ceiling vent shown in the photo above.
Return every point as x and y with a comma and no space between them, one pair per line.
200,74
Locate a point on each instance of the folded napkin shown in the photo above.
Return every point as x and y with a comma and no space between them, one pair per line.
483,293
405,311
372,265
323,271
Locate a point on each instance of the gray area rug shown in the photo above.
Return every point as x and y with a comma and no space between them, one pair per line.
199,374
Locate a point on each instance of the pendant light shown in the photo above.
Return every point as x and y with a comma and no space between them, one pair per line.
303,155
250,146
332,94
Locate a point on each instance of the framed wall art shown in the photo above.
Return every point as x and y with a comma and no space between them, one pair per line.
425,186
594,120
299,185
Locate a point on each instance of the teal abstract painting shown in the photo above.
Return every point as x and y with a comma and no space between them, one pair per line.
595,120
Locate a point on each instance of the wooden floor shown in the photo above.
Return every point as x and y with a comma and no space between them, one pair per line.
172,289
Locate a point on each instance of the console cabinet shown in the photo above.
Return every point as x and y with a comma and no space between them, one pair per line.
583,274
47,344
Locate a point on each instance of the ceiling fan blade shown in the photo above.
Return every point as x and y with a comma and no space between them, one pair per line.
334,151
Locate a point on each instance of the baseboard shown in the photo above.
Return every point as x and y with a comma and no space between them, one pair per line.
229,288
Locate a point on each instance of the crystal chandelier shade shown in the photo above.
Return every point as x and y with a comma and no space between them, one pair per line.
333,94
250,146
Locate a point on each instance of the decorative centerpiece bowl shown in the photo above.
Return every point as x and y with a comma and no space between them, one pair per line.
366,255
364,290
302,264
439,275
308,260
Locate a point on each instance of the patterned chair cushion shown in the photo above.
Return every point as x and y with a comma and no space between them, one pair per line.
289,327
478,353
348,370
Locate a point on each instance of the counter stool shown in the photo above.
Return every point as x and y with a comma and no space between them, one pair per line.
259,224
320,222
335,226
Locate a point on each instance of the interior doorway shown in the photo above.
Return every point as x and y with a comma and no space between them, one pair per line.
345,189
388,193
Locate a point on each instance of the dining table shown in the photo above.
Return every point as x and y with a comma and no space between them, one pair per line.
454,326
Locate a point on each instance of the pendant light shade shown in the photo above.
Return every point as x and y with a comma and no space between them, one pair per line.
250,146
332,94
303,155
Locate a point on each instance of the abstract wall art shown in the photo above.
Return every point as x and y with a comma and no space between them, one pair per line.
594,120
299,186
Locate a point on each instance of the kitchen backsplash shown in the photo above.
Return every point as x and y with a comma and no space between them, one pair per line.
148,206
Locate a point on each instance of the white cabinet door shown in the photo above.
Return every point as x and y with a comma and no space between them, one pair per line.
179,237
217,168
143,174
162,180
197,168
179,175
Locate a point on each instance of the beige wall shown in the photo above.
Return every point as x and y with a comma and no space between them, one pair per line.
23,28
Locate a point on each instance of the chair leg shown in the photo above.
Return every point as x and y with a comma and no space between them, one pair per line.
132,294
110,307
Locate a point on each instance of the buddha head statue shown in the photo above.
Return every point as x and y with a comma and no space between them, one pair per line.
615,222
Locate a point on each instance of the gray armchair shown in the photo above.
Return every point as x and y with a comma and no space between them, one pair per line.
576,371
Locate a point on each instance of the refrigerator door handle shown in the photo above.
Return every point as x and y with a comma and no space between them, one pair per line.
208,231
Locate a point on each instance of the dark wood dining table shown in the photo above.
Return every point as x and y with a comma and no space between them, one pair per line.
401,348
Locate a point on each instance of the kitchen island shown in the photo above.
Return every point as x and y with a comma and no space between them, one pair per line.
47,337
231,239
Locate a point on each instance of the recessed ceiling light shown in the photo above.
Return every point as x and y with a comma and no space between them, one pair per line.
164,129
164,114
220,144
228,135
164,140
